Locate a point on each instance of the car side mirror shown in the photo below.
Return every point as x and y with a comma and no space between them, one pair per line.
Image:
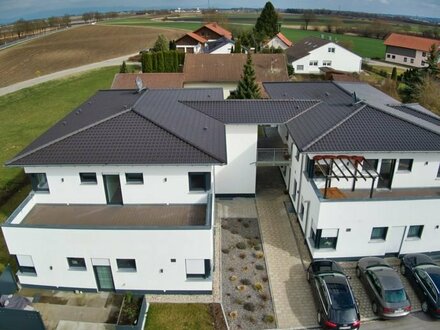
358,302
349,277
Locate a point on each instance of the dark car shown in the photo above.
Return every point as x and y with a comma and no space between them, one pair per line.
384,287
337,308
424,275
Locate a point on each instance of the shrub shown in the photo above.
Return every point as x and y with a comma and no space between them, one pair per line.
264,296
233,315
225,226
238,301
258,287
231,269
225,251
249,307
252,319
241,245
268,319
264,278
232,278
246,224
259,255
241,287
245,281
242,255
259,267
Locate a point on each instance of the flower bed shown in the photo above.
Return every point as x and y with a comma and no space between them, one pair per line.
245,285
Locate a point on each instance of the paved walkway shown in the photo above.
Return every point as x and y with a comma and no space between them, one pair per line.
62,74
293,301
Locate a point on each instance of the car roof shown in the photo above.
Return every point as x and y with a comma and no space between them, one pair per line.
326,267
418,259
388,277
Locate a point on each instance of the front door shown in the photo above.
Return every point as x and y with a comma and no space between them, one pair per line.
112,186
104,278
394,239
386,173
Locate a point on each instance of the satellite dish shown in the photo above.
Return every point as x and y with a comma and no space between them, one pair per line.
139,84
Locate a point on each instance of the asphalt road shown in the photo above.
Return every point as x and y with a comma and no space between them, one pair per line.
414,321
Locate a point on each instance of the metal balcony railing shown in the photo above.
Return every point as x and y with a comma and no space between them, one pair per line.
273,156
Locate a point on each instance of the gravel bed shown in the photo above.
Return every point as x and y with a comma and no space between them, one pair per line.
246,294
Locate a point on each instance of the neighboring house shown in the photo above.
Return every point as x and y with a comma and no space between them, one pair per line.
195,42
408,50
149,80
225,70
279,41
220,46
124,187
311,55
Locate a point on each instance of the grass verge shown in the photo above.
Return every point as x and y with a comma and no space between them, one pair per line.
179,316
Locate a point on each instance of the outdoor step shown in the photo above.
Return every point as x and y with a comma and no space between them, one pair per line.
72,325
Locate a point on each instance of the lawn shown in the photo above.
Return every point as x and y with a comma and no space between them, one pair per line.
73,48
179,317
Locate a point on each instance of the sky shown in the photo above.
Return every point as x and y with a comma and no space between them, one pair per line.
11,10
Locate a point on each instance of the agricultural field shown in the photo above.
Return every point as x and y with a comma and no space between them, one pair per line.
73,48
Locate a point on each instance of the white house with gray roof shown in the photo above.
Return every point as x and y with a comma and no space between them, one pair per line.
314,55
124,186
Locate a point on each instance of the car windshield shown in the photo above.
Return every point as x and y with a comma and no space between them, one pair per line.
344,315
395,296
340,295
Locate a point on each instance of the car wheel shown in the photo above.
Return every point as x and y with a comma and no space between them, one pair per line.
318,318
425,307
374,308
358,272
402,269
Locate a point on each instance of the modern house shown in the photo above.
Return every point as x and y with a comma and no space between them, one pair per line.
196,42
314,56
124,186
279,41
408,50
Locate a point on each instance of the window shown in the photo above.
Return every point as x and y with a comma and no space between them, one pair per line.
319,169
393,57
405,165
326,63
301,211
313,63
388,55
26,265
39,182
126,264
198,268
199,181
405,59
325,238
299,67
331,49
424,54
295,187
438,171
379,233
89,178
134,178
415,231
412,61
77,263
370,164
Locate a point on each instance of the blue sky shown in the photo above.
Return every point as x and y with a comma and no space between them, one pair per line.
13,9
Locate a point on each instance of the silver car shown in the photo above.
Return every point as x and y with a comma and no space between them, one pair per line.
384,287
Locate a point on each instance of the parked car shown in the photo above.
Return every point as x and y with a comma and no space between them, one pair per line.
337,307
424,275
384,287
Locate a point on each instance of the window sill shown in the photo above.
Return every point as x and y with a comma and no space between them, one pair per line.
413,239
77,269
379,240
135,183
199,279
127,270
27,274
89,183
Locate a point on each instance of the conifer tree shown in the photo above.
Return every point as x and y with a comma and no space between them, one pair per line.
247,86
267,24
123,68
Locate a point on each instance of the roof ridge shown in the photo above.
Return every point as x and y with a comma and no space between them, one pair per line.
305,110
307,146
198,110
254,100
67,136
178,136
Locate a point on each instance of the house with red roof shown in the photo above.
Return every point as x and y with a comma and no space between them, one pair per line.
408,50
196,42
279,41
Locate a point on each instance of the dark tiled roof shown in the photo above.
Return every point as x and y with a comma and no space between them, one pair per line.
216,44
156,129
304,47
252,111
409,109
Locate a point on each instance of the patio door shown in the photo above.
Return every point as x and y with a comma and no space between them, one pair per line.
112,186
386,173
394,239
104,278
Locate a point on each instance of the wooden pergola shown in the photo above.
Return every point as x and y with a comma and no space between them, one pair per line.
345,167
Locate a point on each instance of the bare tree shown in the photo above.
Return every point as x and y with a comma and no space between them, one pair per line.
308,17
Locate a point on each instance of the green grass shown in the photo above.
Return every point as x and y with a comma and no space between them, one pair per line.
365,47
179,317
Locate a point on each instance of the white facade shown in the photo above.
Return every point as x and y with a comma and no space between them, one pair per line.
225,49
276,42
193,49
330,55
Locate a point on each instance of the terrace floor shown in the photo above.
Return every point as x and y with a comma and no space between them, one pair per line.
335,193
114,216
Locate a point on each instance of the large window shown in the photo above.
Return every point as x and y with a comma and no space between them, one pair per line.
415,231
299,67
77,263
199,181
326,63
198,268
405,165
134,178
331,49
313,63
39,182
325,238
126,264
26,265
379,233
88,178
370,164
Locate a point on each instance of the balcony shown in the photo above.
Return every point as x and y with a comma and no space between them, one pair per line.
271,151
97,216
